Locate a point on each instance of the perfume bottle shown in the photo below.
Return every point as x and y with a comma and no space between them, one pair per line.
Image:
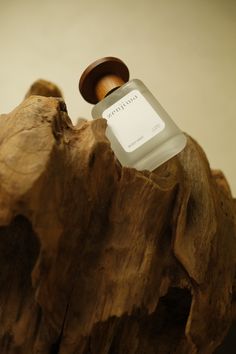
141,132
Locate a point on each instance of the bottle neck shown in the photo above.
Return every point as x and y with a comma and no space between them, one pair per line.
106,85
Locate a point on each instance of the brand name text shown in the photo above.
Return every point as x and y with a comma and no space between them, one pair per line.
122,106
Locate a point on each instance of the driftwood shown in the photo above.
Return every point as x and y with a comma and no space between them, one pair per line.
99,258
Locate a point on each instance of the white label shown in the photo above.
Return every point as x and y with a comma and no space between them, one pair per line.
133,120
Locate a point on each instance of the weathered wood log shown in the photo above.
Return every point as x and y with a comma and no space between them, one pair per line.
99,258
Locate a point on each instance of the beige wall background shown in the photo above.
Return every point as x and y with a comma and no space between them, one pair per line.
184,51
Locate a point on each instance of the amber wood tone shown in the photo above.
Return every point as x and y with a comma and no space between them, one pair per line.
106,85
101,77
102,259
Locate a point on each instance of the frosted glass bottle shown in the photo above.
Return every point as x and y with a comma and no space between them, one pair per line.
141,132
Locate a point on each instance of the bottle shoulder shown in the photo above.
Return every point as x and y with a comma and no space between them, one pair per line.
134,84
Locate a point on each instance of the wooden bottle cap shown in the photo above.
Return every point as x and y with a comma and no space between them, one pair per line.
102,77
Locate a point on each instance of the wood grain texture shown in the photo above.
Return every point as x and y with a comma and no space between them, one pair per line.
102,259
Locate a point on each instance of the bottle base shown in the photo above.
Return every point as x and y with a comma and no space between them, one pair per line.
162,153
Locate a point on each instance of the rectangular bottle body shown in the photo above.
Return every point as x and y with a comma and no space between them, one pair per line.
141,133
